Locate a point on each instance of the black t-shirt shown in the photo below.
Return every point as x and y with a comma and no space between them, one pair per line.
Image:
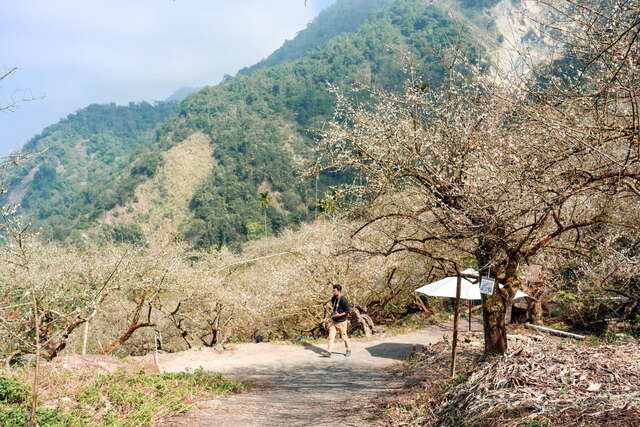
340,305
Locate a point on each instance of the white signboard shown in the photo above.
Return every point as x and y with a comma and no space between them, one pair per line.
486,285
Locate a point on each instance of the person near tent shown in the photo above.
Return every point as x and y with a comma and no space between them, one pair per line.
340,310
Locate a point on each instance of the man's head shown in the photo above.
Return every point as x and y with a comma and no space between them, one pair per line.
337,290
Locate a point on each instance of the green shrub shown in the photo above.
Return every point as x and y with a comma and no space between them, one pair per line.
49,417
632,327
91,396
13,391
148,165
13,417
126,233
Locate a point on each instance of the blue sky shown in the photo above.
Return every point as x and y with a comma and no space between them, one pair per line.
71,53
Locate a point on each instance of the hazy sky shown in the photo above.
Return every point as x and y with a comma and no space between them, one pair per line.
71,53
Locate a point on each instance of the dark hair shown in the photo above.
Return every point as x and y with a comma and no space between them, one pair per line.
338,287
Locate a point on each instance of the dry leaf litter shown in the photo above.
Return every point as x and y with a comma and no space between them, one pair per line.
541,378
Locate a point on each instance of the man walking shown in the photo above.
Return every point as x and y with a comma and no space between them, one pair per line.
339,319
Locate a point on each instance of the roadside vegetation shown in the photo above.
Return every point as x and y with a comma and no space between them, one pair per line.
119,398
122,299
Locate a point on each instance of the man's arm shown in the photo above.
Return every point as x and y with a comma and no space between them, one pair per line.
346,308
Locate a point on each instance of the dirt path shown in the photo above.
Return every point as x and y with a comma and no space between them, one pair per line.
296,385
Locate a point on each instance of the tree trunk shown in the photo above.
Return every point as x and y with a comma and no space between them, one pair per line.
495,306
493,316
363,321
265,221
536,312
125,337
85,338
133,326
34,393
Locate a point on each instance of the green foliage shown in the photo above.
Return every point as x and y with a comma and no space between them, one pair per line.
13,391
14,416
126,233
584,311
17,416
88,163
15,400
138,399
148,165
49,417
632,327
210,382
132,399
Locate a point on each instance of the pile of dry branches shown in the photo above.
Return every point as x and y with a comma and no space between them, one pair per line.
543,379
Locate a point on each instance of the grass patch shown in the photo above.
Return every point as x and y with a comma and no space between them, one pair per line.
112,399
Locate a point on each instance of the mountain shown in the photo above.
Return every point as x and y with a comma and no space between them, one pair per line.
86,164
259,123
342,17
181,94
223,165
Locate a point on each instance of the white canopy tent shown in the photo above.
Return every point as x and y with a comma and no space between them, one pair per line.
468,290
447,288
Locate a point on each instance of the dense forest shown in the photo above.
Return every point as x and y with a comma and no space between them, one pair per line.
343,17
86,164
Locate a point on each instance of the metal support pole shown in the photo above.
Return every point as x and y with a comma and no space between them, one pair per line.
455,327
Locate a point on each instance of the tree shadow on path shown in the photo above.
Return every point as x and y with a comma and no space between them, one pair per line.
393,350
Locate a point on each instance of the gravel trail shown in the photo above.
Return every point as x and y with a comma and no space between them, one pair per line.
294,384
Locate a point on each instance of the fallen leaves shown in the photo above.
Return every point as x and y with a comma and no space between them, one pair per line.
542,380
538,379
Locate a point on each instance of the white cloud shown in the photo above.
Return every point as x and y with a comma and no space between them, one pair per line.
82,51
120,38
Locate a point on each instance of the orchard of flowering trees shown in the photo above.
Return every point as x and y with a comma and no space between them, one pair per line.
121,299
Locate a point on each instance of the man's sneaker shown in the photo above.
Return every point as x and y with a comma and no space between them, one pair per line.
327,354
348,353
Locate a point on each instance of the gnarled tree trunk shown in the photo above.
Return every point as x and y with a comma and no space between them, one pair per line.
134,325
536,312
361,319
494,310
493,316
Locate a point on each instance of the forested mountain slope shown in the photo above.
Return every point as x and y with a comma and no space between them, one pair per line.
86,164
343,17
259,124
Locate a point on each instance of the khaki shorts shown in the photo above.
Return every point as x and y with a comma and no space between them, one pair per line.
341,327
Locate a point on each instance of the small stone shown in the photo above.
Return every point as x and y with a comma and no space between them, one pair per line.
594,387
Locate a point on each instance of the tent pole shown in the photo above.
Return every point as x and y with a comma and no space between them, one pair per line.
455,326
